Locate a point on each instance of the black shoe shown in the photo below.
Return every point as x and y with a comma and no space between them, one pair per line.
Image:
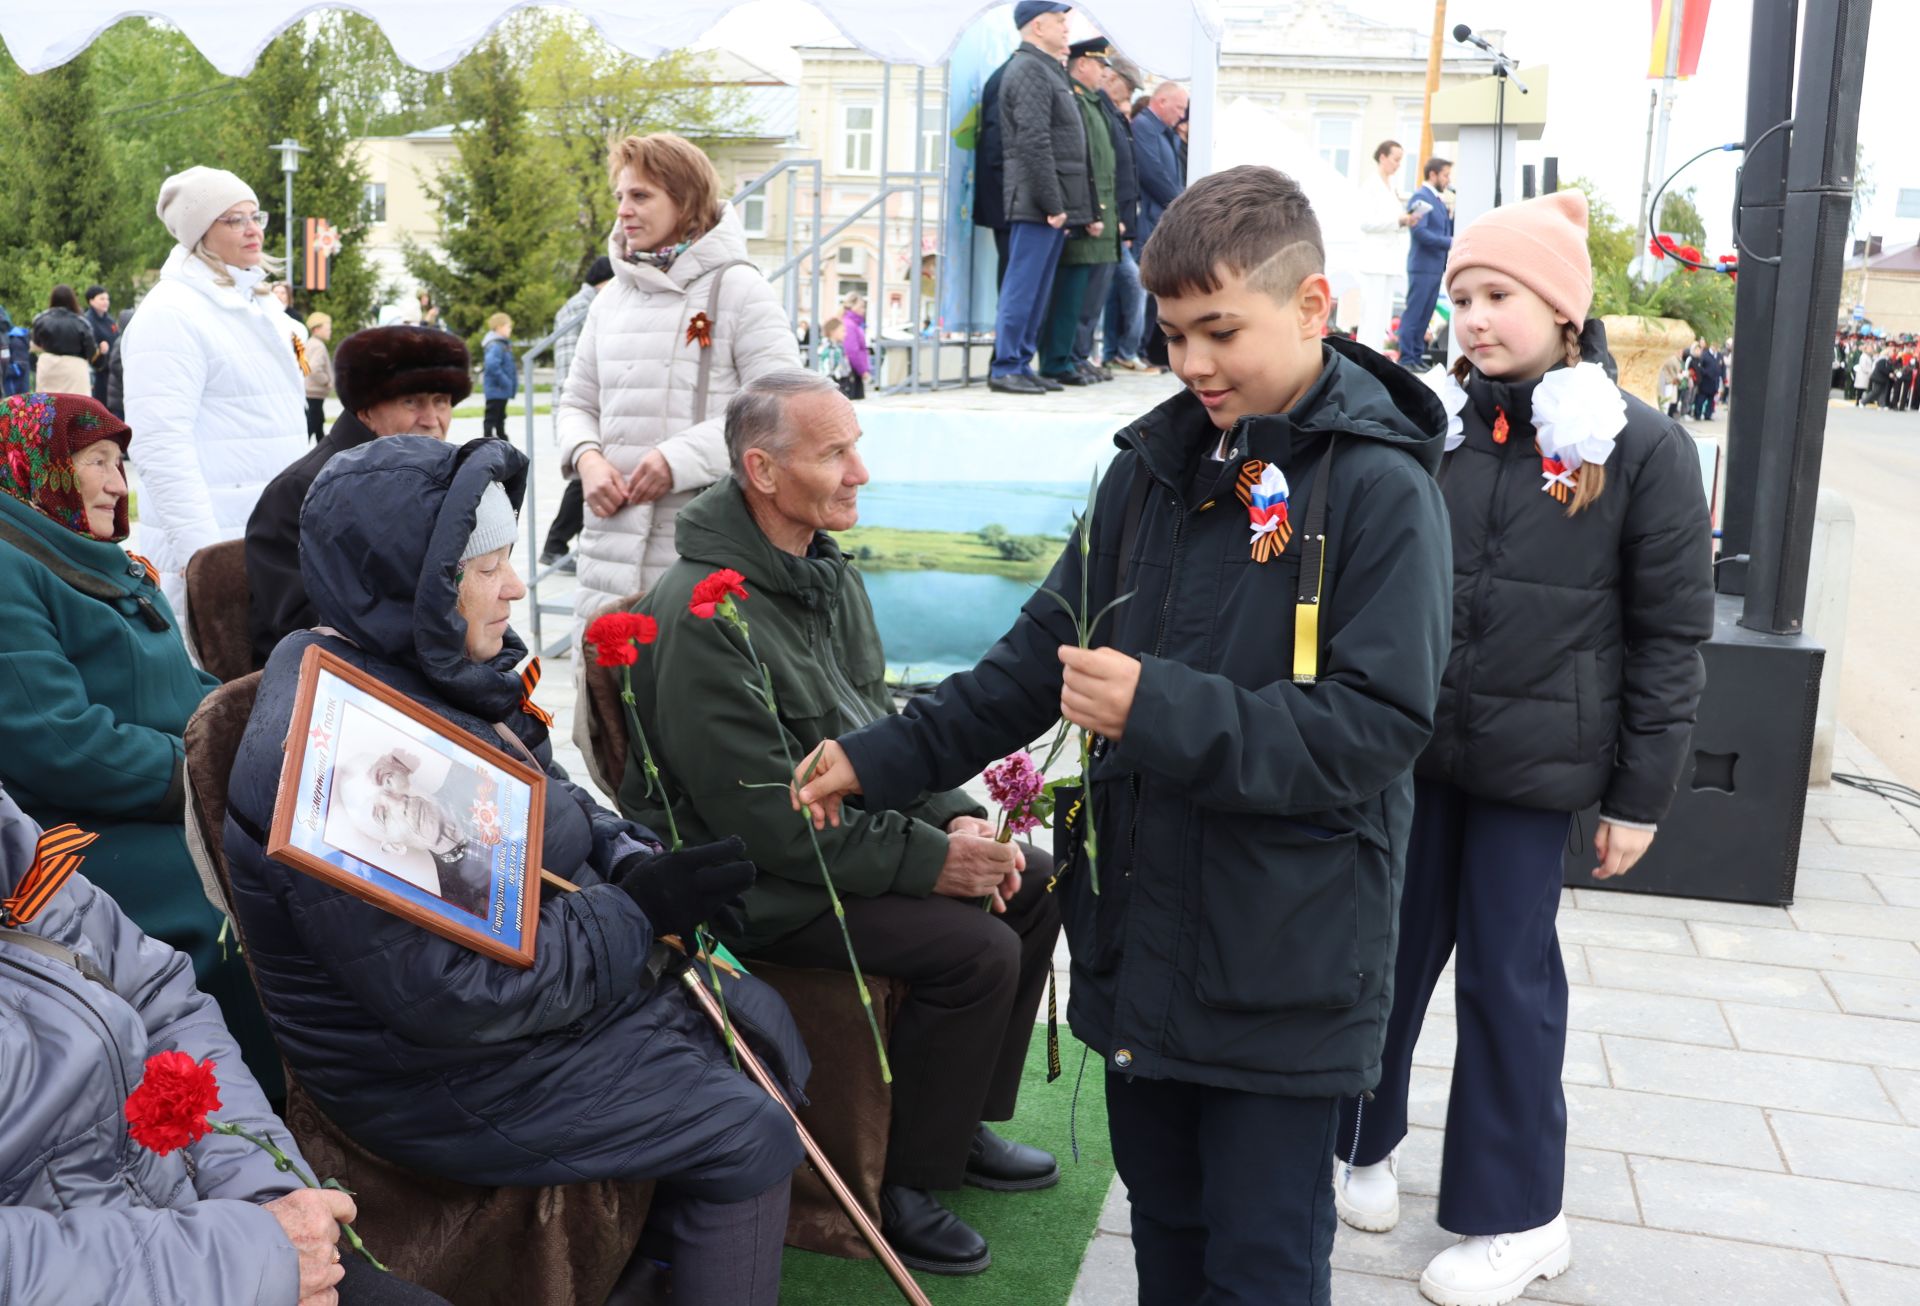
1017,384
548,557
569,565
1005,1167
1044,382
1063,378
927,1235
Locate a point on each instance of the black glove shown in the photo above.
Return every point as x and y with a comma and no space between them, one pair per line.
698,885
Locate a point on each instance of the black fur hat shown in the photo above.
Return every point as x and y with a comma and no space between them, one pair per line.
386,362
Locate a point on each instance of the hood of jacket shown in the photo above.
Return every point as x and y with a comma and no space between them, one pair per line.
1358,394
718,528
381,533
725,243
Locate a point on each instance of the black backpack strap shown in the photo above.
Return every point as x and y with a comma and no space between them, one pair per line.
1313,572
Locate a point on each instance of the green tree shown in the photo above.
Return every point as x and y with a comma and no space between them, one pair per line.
1680,218
288,94
1609,237
29,273
63,193
582,94
503,208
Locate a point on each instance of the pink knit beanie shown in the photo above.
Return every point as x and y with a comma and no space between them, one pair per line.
1541,243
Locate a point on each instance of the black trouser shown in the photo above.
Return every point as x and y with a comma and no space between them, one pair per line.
569,519
100,383
316,418
1231,1192
960,1041
494,424
365,1286
1482,877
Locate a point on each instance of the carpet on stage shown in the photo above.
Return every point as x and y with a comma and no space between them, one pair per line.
1038,1239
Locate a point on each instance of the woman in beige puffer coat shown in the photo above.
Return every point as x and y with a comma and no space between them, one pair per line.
632,424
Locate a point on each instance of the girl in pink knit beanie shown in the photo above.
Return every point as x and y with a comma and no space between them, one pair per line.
1582,589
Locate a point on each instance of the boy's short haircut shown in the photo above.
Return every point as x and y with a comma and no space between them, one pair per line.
1249,221
497,321
831,325
1435,164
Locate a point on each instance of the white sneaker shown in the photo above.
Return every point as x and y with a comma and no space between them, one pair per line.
1488,1270
1368,1196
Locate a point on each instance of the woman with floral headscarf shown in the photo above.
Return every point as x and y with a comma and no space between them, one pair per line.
96,686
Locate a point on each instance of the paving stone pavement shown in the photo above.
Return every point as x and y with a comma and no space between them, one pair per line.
1743,1082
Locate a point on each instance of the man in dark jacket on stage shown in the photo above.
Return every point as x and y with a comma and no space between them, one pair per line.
394,380
1048,188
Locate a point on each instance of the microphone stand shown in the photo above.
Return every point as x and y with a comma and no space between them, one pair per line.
1503,69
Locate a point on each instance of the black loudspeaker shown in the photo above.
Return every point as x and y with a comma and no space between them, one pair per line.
1549,175
1733,833
1528,186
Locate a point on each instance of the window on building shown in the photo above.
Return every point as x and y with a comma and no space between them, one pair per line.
1409,138
753,213
856,138
851,286
376,197
1334,138
933,137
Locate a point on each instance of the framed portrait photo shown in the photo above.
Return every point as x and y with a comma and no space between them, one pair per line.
383,799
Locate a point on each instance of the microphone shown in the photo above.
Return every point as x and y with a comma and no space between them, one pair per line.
1464,34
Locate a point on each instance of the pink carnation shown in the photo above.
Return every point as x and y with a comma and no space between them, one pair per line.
1014,784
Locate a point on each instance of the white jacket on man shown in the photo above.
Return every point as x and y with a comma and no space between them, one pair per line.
631,390
217,403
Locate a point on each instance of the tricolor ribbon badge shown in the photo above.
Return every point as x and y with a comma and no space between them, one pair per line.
1263,488
1557,478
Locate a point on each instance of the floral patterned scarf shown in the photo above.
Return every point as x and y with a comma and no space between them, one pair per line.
659,258
39,435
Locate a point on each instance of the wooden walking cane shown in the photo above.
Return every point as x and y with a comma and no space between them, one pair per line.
896,1270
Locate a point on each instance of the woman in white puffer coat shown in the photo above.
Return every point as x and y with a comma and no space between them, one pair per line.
633,424
214,377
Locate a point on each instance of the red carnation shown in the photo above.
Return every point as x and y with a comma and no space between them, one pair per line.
715,590
616,637
169,1109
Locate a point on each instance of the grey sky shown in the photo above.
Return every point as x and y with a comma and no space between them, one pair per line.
1597,51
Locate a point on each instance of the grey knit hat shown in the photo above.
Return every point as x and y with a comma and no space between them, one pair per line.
493,523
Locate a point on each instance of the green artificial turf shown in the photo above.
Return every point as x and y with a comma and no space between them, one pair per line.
1038,1239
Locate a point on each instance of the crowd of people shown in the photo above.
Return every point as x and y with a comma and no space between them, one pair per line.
1878,371
1309,788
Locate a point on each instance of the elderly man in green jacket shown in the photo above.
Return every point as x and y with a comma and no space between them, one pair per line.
913,879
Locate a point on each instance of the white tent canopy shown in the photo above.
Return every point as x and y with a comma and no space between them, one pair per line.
1176,38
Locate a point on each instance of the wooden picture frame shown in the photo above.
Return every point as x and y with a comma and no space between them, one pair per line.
388,802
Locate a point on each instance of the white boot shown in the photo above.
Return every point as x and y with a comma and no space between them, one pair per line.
1368,1196
1490,1269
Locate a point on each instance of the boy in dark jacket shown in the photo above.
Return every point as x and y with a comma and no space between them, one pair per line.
1257,705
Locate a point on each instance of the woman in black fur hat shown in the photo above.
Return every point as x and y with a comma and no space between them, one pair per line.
392,380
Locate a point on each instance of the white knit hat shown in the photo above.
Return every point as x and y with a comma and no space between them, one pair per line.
191,200
493,523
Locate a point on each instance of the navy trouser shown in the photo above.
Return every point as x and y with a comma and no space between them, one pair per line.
1231,1192
1033,252
1483,878
1423,292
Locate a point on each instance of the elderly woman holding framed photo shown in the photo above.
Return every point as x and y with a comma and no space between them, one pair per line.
686,322
215,388
590,1064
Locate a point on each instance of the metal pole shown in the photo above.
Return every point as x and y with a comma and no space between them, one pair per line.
814,234
1646,177
288,173
918,248
1675,17
877,301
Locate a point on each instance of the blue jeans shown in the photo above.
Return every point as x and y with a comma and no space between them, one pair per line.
1483,885
1423,292
1033,252
1126,309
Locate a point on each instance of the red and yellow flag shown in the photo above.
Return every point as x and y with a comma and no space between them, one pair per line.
1693,33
